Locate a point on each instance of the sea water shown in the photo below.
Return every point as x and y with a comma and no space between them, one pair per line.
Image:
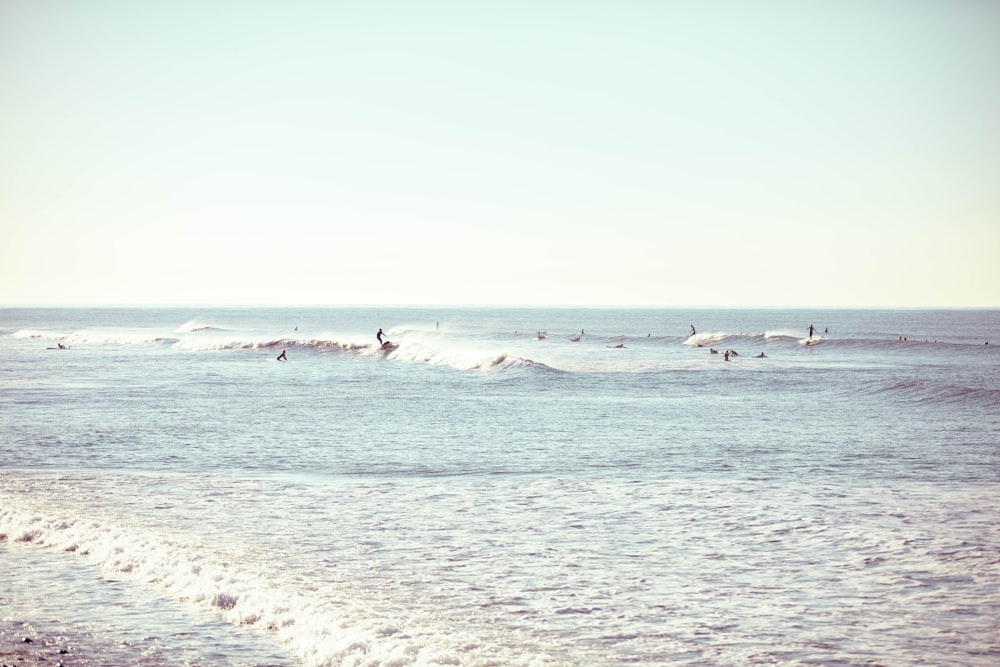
501,486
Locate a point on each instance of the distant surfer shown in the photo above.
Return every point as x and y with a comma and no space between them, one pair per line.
726,355
811,330
619,346
379,336
282,357
692,331
62,347
712,350
761,356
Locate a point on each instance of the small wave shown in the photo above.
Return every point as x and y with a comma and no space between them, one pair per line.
220,345
921,392
507,362
733,338
459,357
95,337
35,334
196,326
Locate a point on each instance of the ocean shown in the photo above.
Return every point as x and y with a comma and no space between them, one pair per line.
499,486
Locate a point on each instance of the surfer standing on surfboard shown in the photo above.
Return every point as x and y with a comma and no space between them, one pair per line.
379,336
811,329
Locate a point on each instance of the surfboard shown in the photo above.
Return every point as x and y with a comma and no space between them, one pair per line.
389,346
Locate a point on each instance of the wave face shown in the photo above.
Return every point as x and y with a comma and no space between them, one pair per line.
923,392
501,486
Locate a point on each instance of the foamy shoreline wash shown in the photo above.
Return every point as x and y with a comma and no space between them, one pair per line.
482,496
134,624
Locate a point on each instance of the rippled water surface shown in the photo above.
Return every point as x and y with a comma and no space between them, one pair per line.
505,487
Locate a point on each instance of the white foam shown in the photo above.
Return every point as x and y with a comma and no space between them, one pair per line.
326,626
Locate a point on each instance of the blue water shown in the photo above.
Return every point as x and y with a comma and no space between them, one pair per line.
506,486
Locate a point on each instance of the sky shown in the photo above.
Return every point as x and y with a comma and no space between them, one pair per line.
585,153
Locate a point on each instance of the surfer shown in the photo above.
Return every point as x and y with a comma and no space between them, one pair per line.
379,336
62,347
282,357
811,329
712,350
726,355
692,331
761,356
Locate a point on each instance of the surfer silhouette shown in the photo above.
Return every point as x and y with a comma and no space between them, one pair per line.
692,331
379,336
282,357
811,329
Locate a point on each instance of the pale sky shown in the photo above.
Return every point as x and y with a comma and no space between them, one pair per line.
842,153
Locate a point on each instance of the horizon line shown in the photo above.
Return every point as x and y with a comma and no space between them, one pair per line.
604,306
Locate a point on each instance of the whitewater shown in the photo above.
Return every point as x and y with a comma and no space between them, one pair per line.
499,486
